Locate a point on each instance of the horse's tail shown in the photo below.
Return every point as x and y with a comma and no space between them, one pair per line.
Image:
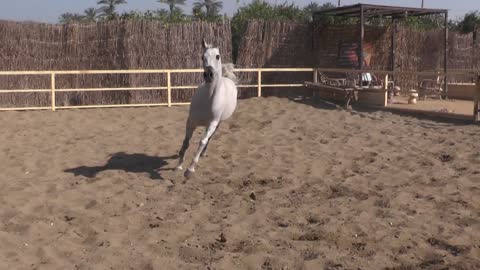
227,70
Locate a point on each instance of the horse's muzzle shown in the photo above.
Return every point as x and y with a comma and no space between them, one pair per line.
208,74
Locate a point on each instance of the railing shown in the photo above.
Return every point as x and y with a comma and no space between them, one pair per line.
169,87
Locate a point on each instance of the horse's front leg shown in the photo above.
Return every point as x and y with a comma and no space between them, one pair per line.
203,143
190,128
204,152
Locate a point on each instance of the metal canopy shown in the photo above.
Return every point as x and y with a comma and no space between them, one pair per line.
378,10
363,11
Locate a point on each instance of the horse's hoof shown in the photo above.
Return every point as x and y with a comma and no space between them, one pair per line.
188,174
178,168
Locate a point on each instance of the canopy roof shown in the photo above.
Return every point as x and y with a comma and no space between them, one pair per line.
377,10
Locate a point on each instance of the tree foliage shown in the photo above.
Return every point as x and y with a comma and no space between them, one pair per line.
172,5
209,10
162,15
68,17
108,8
212,7
90,15
470,22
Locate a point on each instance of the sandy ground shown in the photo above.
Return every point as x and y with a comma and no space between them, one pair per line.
285,186
454,106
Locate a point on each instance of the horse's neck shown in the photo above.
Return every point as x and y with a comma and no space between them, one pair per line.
214,86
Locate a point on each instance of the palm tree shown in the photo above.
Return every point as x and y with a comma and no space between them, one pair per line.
70,17
171,4
109,6
212,7
90,15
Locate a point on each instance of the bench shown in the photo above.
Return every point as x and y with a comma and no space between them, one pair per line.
348,95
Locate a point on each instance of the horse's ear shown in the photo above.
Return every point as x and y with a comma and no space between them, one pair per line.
205,45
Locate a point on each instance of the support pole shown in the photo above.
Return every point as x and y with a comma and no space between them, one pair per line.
385,93
476,106
259,83
169,89
445,58
385,86
393,48
362,36
52,80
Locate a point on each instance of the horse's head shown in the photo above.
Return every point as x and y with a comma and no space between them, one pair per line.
212,62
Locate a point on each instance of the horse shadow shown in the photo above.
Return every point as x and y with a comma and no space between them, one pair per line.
133,163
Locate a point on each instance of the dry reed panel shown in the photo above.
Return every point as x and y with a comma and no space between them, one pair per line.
460,50
60,47
275,44
12,48
104,45
328,39
476,50
381,39
154,45
461,55
416,51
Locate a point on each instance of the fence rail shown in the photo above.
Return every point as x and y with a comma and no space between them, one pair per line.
169,87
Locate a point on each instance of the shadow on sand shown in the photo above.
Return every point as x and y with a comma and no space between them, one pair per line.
133,163
316,103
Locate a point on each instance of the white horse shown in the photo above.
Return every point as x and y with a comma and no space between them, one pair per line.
213,102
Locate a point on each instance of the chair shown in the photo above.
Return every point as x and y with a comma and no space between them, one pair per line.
369,80
431,87
331,81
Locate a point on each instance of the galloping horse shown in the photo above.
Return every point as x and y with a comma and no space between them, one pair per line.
214,101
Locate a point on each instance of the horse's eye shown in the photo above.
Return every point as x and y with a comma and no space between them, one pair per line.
218,57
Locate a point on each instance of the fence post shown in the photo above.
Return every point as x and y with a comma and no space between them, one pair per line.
385,86
315,76
53,90
169,89
476,105
259,83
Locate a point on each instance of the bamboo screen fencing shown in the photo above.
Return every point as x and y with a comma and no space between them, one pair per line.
116,45
135,45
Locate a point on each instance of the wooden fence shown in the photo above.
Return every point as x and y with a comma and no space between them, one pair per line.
169,87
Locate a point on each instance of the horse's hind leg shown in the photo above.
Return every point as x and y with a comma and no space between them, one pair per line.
186,142
204,152
203,143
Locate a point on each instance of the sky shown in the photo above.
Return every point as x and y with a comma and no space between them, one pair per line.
50,10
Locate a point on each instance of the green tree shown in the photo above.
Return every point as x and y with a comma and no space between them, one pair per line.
70,17
313,7
162,15
212,7
427,22
90,15
470,22
172,4
108,7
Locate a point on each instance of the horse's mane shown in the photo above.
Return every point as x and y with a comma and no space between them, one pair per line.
227,70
